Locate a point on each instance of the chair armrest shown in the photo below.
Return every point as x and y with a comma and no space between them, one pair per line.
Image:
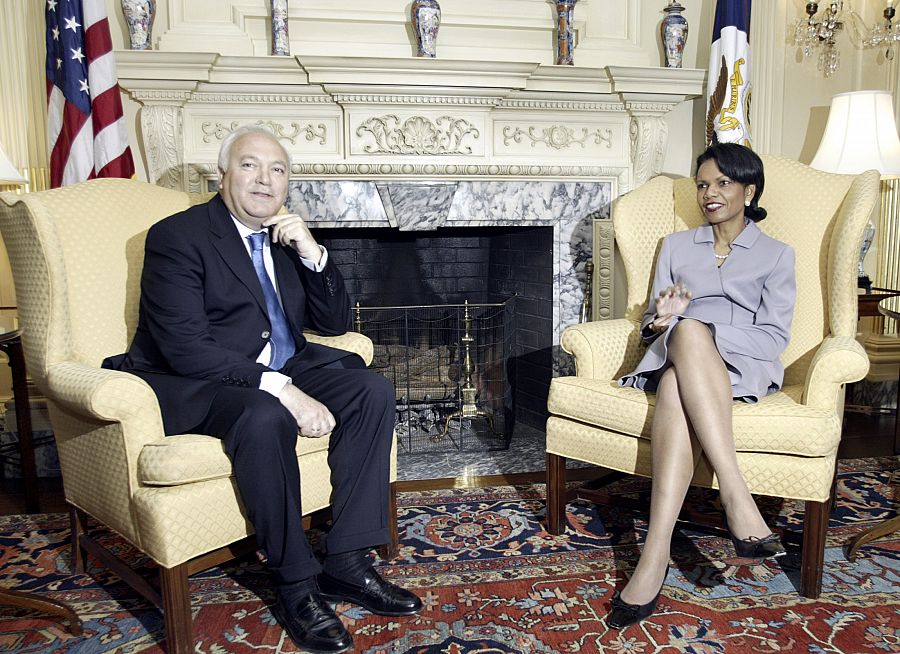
602,348
839,360
351,341
107,395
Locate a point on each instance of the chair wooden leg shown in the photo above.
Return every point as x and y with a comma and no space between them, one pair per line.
815,528
176,600
390,550
556,493
833,495
34,602
77,527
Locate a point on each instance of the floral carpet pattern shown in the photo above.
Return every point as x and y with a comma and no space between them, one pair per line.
494,582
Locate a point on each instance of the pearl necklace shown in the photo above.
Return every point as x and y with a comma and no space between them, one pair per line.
721,257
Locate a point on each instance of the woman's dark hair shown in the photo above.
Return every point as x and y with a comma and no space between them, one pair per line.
743,165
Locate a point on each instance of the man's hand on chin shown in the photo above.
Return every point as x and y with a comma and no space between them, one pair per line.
314,420
289,229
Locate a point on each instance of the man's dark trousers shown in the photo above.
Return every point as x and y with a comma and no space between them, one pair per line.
260,437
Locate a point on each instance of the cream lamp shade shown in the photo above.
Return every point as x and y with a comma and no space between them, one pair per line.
860,135
8,172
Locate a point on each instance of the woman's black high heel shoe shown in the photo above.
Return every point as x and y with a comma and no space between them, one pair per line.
624,614
756,548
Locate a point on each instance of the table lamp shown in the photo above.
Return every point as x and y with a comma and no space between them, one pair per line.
861,135
10,178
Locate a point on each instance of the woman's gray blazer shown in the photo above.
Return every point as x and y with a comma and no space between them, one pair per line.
748,304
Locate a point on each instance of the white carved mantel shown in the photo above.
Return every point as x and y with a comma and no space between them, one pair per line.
361,117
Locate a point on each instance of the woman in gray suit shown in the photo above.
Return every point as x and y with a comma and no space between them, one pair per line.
723,299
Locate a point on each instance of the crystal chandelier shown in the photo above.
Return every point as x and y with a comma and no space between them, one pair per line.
812,33
886,33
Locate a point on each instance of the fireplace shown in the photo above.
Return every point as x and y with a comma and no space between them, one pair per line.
450,266
422,146
428,242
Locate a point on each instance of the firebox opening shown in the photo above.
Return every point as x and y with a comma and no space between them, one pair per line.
481,265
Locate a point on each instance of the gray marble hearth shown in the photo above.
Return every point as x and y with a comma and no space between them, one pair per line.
526,453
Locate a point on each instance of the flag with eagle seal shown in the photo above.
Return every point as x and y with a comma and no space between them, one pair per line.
728,85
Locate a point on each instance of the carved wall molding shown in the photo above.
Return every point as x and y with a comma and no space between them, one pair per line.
418,135
197,176
217,130
558,137
146,96
259,98
649,107
649,135
425,99
162,128
604,268
482,172
571,105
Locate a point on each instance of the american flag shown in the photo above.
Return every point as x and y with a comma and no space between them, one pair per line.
86,128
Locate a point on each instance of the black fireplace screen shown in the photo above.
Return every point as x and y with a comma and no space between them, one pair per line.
449,364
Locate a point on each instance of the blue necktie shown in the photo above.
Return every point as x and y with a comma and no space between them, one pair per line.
282,342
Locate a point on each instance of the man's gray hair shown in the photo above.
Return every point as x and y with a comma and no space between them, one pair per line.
243,130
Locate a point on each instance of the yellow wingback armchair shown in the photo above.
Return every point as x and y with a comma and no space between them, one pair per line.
76,255
787,443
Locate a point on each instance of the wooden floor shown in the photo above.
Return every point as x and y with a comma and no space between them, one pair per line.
864,436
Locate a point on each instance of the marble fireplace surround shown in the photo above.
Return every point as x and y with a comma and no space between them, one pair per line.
416,144
422,206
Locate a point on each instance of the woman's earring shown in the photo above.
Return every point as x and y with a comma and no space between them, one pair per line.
746,203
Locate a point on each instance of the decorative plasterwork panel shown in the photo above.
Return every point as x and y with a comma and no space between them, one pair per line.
292,132
163,126
402,133
302,136
558,137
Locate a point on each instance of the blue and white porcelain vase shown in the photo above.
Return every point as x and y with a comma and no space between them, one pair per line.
139,18
565,32
280,41
674,33
426,19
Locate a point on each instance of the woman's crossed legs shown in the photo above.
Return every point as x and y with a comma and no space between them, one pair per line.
693,416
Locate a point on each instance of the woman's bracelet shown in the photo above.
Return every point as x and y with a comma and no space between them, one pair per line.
657,317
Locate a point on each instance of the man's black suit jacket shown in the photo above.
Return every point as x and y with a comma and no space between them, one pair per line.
203,318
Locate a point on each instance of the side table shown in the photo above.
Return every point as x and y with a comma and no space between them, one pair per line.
889,307
11,345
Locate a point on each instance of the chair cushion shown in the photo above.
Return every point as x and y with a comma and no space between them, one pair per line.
189,458
778,423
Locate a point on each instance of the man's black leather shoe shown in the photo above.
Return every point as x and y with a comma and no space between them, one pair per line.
374,594
312,625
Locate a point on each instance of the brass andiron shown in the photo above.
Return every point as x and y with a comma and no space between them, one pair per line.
585,314
357,320
469,408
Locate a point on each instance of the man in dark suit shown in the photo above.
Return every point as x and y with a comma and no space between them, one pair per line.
226,291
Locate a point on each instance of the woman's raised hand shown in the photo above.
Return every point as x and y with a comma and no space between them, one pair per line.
672,301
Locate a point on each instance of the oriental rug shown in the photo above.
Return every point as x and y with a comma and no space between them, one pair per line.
494,582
